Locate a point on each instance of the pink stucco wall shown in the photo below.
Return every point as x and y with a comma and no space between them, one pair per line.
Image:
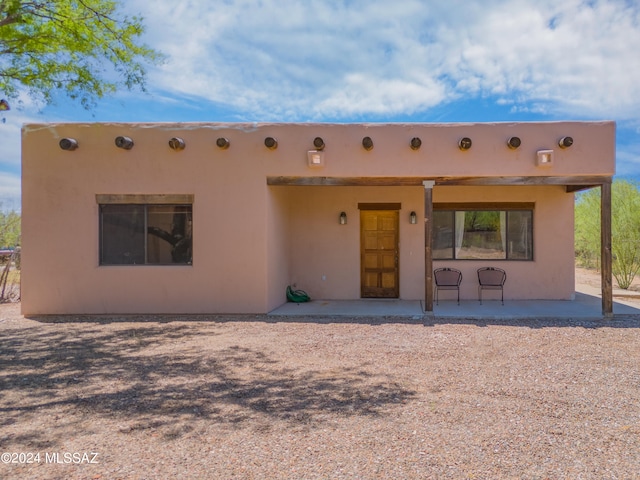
251,239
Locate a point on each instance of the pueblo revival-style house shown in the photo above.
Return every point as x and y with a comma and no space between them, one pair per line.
222,218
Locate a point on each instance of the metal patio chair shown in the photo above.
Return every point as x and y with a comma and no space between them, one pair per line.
447,279
490,278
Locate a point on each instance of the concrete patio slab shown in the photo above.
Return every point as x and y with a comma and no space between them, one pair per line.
585,305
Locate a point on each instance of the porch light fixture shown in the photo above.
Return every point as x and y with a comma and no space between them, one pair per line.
416,143
514,142
367,143
69,144
565,142
223,143
124,142
545,158
315,158
318,142
413,218
464,143
343,218
177,144
271,143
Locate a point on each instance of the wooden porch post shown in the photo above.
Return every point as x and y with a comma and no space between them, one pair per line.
605,250
428,248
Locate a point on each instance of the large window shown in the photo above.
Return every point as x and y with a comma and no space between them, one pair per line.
142,234
482,233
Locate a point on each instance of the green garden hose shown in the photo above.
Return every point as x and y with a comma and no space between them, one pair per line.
297,296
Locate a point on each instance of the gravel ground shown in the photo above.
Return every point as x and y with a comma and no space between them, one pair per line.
254,398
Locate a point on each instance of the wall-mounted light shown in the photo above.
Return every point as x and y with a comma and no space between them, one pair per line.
367,143
177,144
315,158
69,144
565,142
464,143
514,142
318,142
223,143
416,143
544,158
413,218
124,142
343,218
271,143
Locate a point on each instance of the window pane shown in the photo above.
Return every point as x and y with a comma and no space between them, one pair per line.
443,234
520,235
169,234
480,235
121,234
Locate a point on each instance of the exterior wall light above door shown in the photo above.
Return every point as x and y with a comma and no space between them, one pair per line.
318,142
343,218
315,158
271,143
124,142
565,142
69,144
223,143
544,158
464,143
177,143
416,143
367,143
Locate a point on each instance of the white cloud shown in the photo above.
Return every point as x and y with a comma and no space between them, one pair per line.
9,192
355,57
10,141
286,60
363,94
578,59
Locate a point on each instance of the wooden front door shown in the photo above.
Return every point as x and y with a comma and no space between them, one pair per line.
379,254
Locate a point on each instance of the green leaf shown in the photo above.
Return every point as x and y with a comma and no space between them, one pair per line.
85,48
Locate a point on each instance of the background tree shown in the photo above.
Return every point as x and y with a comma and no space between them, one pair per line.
625,230
9,229
85,48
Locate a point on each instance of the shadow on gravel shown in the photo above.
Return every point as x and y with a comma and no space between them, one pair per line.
150,376
617,321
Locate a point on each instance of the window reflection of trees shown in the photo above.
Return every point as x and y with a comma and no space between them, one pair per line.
168,238
482,234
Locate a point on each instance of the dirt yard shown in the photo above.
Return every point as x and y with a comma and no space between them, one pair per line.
586,276
251,397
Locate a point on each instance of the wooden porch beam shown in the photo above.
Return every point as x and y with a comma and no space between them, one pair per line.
605,250
428,245
345,181
577,188
572,183
578,181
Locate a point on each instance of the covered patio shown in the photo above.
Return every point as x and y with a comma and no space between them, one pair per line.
587,304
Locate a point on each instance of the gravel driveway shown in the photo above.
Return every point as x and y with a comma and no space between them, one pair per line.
251,397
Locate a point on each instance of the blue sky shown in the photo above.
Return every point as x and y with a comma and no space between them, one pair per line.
373,61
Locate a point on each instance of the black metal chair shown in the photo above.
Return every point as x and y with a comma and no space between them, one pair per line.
490,278
447,279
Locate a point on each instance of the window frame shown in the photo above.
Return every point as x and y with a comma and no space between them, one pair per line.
145,201
499,207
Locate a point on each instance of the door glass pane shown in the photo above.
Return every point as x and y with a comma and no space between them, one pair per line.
122,234
480,235
443,234
169,229
520,235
